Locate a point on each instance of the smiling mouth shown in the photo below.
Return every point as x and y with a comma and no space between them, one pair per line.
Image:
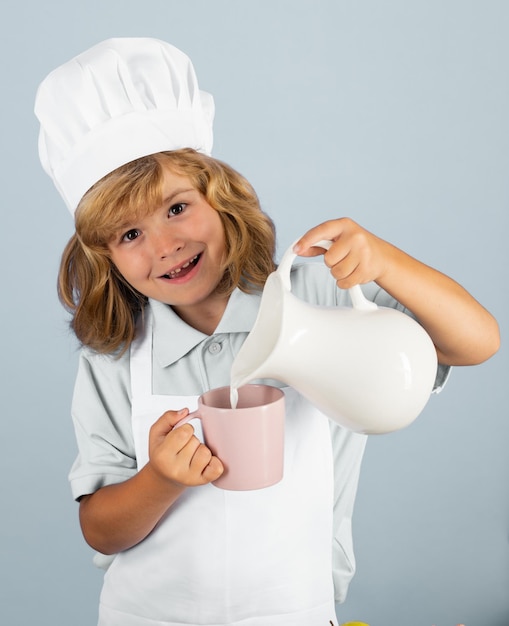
183,269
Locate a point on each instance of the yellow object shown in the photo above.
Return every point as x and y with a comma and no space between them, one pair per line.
355,624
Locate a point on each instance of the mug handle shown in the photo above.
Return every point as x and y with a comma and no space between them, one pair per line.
198,429
187,419
359,301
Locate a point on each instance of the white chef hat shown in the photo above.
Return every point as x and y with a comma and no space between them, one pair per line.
120,100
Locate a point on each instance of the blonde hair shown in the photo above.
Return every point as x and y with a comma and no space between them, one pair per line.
103,304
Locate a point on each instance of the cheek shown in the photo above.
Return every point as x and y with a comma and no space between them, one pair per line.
221,250
115,258
220,234
124,263
221,238
211,231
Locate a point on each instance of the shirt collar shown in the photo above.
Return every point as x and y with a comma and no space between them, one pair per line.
173,338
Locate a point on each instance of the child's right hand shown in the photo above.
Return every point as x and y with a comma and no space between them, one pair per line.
119,516
176,455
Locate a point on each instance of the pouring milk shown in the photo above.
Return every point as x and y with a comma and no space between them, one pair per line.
234,395
380,382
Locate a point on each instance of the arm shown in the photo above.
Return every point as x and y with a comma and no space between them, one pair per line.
464,332
117,517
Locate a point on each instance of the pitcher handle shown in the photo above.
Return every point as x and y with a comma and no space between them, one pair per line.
359,301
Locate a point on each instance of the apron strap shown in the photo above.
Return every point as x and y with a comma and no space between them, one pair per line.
141,358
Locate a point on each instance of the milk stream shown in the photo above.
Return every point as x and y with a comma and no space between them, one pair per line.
234,396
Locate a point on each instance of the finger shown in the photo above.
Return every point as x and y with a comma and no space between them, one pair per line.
340,252
206,464
174,417
354,275
181,441
310,251
213,470
344,271
330,230
350,280
201,466
343,258
167,421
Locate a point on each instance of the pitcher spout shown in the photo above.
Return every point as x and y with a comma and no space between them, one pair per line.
252,358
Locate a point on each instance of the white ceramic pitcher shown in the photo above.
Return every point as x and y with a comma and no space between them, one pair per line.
369,368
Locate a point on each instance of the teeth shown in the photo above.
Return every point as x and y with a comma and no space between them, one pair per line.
174,272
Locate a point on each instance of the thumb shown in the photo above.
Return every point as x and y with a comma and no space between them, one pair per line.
168,420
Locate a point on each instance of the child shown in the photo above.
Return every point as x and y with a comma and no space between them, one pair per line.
163,278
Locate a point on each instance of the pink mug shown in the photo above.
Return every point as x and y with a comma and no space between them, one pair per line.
249,440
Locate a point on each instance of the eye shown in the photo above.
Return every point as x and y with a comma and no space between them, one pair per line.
131,235
176,209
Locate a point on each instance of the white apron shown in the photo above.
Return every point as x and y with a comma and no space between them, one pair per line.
249,558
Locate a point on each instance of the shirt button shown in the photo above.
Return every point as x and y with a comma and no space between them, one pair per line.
215,348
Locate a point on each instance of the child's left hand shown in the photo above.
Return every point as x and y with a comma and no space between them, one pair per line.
355,257
463,332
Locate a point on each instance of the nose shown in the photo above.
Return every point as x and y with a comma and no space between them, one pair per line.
165,244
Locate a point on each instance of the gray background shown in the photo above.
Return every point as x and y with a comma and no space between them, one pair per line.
393,112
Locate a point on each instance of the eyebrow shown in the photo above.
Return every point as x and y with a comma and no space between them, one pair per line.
176,193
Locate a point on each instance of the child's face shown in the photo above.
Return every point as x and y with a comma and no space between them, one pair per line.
175,254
